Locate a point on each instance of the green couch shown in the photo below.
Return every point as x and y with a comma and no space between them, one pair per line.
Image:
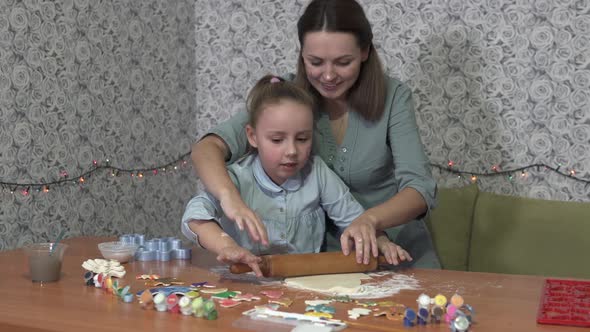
484,232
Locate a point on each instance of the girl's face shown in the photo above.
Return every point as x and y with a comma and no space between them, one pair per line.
283,137
332,62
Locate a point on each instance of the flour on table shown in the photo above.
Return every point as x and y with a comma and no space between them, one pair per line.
350,284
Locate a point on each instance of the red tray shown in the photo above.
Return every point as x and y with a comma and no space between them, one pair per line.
565,302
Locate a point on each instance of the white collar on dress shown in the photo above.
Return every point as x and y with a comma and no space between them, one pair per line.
292,184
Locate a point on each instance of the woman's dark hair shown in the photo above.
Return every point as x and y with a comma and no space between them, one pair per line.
367,95
272,90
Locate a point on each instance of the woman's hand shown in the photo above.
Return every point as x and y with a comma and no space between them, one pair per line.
393,253
236,254
360,234
235,209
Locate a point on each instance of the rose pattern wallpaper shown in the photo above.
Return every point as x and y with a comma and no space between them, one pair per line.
84,80
495,82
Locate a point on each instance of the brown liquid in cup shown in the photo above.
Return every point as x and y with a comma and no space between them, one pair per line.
45,268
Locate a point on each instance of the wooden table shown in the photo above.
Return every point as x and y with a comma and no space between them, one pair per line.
502,302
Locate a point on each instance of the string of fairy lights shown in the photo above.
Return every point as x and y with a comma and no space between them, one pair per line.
522,172
80,179
181,162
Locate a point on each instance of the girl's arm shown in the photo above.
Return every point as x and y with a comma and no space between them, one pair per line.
214,239
209,155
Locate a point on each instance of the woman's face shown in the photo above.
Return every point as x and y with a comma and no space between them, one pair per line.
332,62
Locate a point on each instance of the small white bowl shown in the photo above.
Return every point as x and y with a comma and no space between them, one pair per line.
119,251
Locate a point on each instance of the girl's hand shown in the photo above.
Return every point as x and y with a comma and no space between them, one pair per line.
235,209
393,253
360,234
236,254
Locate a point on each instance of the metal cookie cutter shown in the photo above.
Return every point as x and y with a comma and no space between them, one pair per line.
162,249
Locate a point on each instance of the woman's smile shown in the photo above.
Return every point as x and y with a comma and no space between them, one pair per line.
329,86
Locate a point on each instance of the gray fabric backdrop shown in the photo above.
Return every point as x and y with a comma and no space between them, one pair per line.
495,82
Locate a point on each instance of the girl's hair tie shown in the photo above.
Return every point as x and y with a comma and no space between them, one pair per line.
275,79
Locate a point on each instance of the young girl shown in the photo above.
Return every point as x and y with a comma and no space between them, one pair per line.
290,191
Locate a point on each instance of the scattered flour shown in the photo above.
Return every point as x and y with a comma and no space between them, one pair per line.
383,284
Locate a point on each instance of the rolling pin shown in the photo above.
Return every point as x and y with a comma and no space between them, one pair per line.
294,265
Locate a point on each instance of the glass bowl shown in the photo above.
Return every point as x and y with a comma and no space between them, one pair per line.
119,251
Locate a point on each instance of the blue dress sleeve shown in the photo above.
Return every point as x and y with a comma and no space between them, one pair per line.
335,197
201,207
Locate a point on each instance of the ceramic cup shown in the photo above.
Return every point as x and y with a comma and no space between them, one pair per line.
45,264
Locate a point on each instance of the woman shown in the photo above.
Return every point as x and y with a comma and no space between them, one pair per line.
365,131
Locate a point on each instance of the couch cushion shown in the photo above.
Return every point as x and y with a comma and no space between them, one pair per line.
450,225
530,236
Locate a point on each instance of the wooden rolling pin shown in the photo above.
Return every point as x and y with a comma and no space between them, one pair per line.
293,265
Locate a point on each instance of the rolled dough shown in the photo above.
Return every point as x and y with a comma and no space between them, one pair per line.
345,283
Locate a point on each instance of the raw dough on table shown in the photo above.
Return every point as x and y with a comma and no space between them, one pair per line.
345,283
385,284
